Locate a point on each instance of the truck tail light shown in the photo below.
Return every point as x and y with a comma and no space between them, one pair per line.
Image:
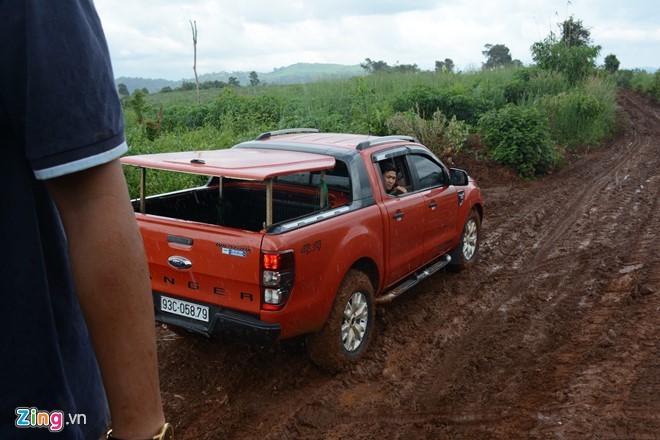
277,273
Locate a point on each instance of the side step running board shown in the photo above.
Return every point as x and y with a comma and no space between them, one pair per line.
413,280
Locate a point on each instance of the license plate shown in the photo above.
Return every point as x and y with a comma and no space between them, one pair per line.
184,308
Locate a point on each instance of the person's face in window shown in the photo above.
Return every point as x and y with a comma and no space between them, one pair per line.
390,179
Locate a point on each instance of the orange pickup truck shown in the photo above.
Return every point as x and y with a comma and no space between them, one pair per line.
296,233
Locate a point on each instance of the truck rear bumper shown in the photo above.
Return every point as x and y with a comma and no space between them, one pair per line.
221,321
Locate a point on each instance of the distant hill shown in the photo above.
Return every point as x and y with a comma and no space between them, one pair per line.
299,73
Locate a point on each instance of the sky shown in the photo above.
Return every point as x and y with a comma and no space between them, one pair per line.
153,38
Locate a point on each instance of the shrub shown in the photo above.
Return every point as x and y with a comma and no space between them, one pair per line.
440,135
655,85
518,137
582,116
456,101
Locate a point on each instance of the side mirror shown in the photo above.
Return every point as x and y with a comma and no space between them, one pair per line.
458,177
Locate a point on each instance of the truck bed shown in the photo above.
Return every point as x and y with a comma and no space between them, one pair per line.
242,206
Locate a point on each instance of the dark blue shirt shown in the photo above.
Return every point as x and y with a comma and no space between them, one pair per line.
59,113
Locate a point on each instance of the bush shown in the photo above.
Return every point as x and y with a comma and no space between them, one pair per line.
582,116
531,83
655,85
440,135
452,102
518,137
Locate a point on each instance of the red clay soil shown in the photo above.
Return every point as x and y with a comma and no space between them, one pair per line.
555,333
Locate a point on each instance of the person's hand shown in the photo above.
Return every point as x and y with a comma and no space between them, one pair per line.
398,190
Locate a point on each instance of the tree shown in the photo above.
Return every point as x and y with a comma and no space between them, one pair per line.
406,68
573,33
611,63
254,78
572,55
166,89
233,81
139,105
446,66
122,89
375,66
193,27
145,90
497,55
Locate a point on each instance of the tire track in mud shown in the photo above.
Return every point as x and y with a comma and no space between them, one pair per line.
531,387
553,333
548,245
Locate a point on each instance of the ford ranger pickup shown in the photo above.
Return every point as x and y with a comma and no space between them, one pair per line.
296,233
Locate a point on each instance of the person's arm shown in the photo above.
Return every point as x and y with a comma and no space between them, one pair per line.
112,281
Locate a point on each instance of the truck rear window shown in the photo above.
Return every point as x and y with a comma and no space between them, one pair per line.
336,179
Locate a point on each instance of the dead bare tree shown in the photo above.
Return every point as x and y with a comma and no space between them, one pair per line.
193,27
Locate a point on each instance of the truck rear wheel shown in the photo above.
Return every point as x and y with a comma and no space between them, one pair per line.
345,336
465,253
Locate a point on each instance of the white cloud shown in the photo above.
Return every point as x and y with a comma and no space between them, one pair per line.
153,38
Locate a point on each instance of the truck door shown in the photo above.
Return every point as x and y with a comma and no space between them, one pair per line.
440,204
405,216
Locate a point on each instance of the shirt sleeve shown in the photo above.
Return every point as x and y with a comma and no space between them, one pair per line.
73,118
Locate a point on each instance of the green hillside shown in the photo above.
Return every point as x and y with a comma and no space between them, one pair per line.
300,73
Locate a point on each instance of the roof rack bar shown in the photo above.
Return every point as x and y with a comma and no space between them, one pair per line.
268,134
384,139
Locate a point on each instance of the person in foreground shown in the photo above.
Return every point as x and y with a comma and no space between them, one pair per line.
77,334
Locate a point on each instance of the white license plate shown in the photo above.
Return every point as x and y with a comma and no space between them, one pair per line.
184,308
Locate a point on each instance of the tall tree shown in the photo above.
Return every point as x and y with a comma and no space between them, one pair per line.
444,66
573,33
122,89
497,55
254,78
375,66
406,68
233,81
611,63
572,54
193,27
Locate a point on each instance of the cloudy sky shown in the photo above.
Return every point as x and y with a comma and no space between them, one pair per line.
153,39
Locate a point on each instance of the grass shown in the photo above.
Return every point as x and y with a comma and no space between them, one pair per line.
583,114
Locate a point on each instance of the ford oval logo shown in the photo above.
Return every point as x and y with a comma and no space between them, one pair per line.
179,262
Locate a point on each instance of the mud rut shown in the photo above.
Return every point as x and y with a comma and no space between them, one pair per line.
554,334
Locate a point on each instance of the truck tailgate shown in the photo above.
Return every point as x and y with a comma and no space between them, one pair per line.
203,263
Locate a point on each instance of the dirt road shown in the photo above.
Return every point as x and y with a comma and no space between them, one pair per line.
554,334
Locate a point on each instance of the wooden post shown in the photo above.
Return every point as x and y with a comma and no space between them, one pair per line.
269,202
143,190
323,190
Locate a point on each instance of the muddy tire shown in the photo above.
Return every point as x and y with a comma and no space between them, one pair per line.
346,335
465,254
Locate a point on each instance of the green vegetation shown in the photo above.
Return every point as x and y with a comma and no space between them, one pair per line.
518,136
526,117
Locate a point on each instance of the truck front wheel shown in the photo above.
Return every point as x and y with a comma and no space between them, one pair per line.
345,336
465,254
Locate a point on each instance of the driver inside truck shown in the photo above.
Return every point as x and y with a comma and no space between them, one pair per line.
390,179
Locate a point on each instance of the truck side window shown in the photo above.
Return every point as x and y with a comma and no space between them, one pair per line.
429,173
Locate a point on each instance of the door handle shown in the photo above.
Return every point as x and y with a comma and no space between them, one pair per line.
398,216
433,205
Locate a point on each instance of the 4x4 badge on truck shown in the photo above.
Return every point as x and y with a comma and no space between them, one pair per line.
179,262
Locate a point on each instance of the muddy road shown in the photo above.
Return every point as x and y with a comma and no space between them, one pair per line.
555,333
